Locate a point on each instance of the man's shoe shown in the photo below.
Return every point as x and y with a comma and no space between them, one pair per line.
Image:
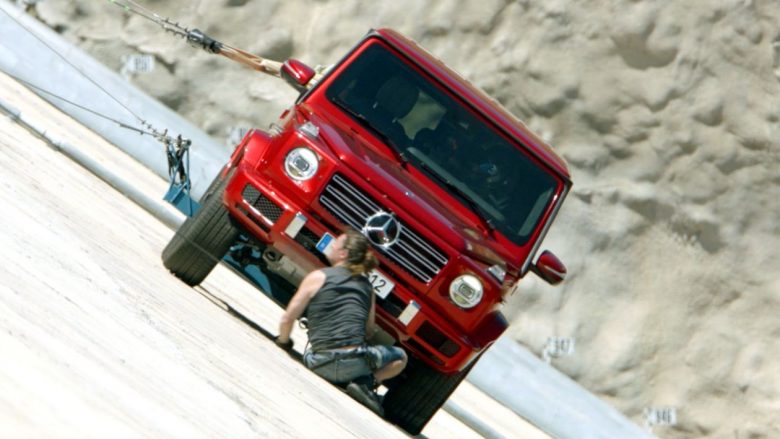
361,394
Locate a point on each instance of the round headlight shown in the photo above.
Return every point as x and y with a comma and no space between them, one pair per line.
466,291
301,164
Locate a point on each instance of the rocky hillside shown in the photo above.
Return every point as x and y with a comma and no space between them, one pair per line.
667,113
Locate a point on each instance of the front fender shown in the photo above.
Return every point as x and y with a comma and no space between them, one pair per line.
252,148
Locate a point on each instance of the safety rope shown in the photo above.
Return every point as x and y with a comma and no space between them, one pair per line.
88,110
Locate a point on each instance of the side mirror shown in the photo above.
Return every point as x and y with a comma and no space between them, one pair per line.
549,268
297,74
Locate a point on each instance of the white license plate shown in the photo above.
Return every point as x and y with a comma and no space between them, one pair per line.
382,285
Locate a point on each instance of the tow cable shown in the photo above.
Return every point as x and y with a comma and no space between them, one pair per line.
198,39
176,147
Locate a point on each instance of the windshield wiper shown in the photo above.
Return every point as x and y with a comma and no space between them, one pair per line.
399,155
483,216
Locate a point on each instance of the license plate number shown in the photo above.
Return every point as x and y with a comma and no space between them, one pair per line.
382,285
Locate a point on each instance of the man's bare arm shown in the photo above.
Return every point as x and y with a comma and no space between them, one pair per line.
308,288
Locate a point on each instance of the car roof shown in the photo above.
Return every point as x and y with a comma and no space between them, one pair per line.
476,97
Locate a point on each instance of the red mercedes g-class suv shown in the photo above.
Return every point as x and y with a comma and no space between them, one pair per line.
454,193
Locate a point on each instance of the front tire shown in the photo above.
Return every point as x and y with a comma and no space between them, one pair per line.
202,241
412,402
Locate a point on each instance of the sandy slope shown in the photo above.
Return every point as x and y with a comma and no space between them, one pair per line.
667,113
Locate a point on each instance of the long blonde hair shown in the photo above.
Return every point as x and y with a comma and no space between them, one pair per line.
360,257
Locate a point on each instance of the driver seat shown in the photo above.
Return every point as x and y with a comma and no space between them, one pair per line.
394,100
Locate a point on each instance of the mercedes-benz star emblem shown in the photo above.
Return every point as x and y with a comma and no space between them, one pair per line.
382,229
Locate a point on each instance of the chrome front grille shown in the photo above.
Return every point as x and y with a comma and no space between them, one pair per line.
412,252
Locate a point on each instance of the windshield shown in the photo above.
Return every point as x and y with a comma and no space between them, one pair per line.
442,138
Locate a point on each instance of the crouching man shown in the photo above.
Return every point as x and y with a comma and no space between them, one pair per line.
339,306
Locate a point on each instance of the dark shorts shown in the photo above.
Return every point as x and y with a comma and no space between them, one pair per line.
343,366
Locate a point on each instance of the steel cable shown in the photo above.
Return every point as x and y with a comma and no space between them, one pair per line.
95,83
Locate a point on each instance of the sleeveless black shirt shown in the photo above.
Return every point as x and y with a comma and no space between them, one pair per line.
338,313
